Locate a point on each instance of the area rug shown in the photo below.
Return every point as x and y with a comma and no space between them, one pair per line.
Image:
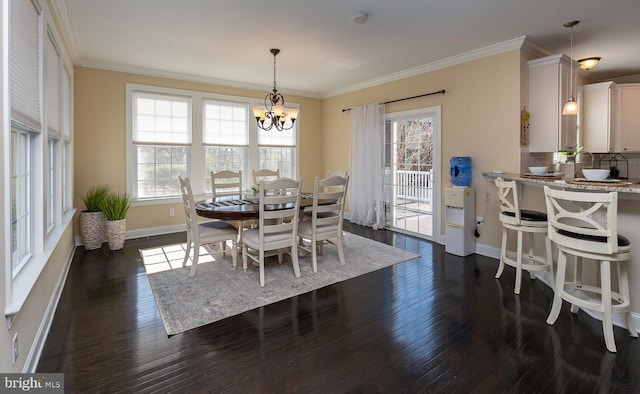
218,290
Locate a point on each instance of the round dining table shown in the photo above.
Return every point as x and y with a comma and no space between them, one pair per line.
240,209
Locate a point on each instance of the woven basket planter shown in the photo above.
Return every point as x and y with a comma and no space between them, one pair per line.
115,233
92,229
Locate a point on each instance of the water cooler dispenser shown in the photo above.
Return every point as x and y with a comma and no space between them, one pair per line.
460,220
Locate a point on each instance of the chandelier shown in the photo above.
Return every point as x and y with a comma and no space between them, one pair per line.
273,113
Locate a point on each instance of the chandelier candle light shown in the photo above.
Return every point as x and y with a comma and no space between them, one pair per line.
273,113
571,106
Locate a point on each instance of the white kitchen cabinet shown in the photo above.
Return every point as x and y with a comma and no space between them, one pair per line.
549,130
628,117
598,117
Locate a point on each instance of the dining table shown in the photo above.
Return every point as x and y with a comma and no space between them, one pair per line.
241,208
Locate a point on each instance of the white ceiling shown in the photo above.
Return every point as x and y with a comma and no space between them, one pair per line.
323,51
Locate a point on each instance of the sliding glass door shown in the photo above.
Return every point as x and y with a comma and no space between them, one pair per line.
412,174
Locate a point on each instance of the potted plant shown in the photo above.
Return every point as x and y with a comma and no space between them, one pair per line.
92,219
115,207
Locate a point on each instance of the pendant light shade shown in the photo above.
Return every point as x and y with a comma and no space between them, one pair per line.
571,106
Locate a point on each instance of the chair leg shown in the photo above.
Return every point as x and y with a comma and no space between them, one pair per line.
607,321
234,253
339,244
518,264
549,254
532,274
294,259
244,257
187,252
557,295
623,284
577,277
503,252
261,254
194,260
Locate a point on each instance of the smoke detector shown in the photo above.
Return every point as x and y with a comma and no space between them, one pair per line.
360,19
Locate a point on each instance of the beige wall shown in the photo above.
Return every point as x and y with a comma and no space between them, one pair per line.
480,118
100,136
32,316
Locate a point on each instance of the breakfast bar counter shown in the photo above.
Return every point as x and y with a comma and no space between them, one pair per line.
627,189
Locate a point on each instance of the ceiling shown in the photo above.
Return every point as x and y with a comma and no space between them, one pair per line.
323,52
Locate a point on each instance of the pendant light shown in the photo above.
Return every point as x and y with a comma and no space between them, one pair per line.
571,106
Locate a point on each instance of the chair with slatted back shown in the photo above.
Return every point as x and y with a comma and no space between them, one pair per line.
226,183
279,205
521,221
584,225
204,234
265,175
327,213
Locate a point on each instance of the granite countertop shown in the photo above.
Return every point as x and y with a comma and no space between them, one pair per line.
623,186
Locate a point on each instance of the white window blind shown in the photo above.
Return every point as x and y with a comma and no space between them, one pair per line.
274,137
225,123
52,86
66,103
161,119
25,64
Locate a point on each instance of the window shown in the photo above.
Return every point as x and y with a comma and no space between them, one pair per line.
162,142
192,133
21,217
278,151
40,106
225,138
25,81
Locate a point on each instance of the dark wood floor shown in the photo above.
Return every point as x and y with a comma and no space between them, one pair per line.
440,323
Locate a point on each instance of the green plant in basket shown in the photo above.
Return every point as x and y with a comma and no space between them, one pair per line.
94,196
115,206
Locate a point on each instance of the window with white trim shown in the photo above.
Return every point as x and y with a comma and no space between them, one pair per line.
161,136
225,137
40,119
26,123
219,134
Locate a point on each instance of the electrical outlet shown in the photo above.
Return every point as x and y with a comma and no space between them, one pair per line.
172,212
15,348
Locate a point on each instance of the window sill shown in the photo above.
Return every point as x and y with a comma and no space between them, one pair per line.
18,289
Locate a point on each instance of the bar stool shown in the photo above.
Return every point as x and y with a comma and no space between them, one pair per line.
575,229
521,221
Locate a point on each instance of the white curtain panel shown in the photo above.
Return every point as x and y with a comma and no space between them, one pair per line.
366,205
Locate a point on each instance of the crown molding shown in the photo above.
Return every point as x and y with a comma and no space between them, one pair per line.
61,14
191,78
475,54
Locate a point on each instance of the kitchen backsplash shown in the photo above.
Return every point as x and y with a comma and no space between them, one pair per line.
628,164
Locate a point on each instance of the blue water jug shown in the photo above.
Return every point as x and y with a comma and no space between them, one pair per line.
460,171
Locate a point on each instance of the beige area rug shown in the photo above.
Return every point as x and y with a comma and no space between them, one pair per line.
218,291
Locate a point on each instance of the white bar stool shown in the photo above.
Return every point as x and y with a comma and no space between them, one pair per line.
521,221
575,229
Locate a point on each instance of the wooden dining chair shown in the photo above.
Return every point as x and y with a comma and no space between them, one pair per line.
203,234
226,183
279,204
326,218
265,175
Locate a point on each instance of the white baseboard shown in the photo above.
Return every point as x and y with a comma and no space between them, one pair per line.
146,232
